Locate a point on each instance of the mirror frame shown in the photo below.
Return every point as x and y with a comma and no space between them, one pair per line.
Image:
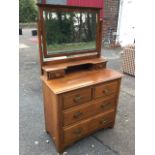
42,34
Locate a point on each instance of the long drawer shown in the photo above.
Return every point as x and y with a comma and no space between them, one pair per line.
79,130
76,114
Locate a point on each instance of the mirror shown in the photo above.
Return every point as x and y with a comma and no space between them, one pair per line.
69,32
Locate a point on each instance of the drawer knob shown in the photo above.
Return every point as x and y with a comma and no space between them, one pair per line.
77,99
78,132
106,91
100,66
105,106
57,74
104,121
78,115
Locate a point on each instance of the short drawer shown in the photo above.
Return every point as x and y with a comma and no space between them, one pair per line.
104,106
105,89
78,113
77,97
88,126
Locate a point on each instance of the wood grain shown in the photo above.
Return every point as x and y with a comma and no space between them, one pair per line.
82,101
105,89
87,110
80,130
65,65
81,79
77,97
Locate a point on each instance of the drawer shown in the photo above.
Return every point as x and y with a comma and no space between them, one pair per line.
88,126
76,97
75,132
78,113
105,89
103,120
54,75
105,105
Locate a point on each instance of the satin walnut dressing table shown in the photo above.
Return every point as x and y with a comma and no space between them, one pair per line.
80,92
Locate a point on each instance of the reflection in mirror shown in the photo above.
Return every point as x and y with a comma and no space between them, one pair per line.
72,56
69,32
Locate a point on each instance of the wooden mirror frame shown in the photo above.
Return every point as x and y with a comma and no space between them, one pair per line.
42,37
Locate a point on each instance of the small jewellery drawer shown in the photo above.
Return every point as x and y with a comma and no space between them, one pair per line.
76,97
54,75
100,65
77,113
104,105
105,89
88,126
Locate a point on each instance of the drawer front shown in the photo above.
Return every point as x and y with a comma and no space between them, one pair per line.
103,120
99,65
105,89
54,75
76,97
78,113
104,106
84,111
76,132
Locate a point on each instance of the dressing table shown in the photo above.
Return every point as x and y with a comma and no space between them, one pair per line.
80,93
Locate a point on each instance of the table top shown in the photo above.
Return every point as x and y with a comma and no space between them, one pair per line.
81,79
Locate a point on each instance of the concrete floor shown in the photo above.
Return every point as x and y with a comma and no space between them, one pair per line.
117,141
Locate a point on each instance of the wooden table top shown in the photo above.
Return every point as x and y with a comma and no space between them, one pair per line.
81,79
74,63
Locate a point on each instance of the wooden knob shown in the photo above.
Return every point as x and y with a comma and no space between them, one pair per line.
77,99
100,66
104,121
57,74
78,115
105,106
78,132
106,91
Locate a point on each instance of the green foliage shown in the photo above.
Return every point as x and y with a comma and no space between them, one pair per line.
59,30
70,47
69,27
27,11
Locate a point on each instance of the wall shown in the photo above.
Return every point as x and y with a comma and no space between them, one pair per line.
126,23
110,20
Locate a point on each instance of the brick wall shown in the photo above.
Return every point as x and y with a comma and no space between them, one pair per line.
111,9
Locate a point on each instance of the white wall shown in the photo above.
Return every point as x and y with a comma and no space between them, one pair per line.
126,22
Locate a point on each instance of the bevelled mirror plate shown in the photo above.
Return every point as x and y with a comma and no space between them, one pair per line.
69,32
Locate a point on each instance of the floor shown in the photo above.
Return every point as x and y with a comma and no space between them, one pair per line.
33,139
